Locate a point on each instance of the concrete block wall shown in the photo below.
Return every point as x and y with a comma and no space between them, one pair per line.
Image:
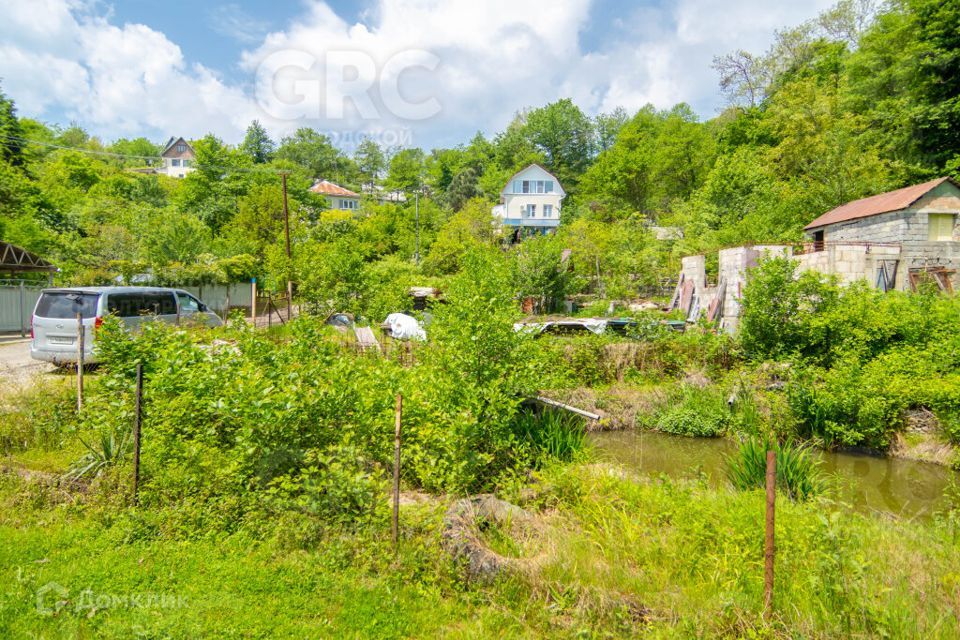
733,266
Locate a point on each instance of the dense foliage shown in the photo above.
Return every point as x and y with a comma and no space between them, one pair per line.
849,104
861,358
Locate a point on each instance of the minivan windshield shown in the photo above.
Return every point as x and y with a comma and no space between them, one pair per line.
67,304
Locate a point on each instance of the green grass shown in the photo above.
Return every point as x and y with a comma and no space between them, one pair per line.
242,585
612,557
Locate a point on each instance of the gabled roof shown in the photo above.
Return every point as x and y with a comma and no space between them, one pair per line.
880,203
530,166
14,259
328,188
171,142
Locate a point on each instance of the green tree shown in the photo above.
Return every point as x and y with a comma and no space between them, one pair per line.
315,153
407,169
565,135
11,134
257,144
370,161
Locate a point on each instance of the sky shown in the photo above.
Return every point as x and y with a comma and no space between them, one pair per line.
428,73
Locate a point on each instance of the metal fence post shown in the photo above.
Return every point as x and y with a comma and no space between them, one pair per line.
23,331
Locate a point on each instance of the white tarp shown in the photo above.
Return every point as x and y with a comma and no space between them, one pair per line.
404,327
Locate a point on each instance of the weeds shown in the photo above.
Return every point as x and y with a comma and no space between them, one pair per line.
798,473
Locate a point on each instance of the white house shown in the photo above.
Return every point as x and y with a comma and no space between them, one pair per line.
178,157
530,200
337,196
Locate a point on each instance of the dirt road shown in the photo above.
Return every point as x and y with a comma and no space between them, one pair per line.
17,368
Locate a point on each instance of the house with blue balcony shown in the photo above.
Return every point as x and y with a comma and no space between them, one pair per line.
530,202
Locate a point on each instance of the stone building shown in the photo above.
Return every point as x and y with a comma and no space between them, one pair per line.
894,240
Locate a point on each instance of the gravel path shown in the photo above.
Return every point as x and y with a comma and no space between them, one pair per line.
17,368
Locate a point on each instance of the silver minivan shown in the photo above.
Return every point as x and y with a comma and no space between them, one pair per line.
54,329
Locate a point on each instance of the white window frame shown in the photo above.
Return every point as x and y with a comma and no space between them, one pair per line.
548,211
175,162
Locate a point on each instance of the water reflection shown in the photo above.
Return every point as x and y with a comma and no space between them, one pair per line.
869,484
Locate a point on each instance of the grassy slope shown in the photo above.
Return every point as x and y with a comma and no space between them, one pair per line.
230,586
613,556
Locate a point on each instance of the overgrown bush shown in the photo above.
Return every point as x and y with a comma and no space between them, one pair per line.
694,412
235,412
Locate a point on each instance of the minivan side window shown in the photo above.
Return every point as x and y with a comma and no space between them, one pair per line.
132,305
189,304
66,304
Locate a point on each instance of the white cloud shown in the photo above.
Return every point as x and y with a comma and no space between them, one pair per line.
117,81
494,58
232,21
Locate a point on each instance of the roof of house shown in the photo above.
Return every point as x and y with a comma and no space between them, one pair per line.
880,203
533,164
327,188
172,141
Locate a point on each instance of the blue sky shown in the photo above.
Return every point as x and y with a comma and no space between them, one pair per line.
411,72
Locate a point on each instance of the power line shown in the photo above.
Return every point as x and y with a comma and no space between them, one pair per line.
129,156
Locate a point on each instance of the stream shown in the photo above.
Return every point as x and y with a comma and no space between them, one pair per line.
869,484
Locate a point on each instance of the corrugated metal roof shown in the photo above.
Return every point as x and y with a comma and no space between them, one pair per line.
327,188
880,203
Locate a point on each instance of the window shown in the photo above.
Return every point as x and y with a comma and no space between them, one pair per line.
348,204
531,211
64,304
940,227
533,186
132,305
175,162
189,304
548,211
186,162
181,148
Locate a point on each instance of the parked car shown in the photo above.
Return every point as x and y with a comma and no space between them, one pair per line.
54,331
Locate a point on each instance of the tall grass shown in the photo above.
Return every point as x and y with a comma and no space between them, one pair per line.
798,473
551,434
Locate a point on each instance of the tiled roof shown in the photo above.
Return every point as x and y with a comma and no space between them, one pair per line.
881,203
329,189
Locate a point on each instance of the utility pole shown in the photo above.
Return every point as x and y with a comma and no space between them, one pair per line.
417,214
286,228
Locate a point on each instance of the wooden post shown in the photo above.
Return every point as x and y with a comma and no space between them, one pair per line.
80,346
769,549
395,527
137,421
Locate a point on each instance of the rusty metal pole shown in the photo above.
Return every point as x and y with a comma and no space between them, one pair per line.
395,525
80,347
286,229
769,548
137,423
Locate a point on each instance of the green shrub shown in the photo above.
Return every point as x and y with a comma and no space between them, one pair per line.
798,472
694,412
